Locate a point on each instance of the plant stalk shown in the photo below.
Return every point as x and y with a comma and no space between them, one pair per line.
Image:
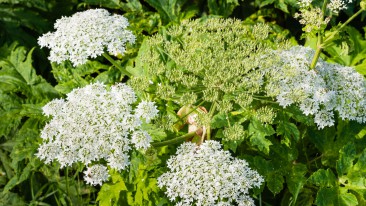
175,140
111,60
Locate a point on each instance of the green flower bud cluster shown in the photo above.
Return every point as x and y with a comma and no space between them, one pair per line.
235,133
213,59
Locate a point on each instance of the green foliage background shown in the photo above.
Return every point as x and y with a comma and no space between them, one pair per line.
301,165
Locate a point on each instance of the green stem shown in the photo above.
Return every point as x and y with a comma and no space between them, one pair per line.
210,113
67,180
321,44
317,52
350,19
110,59
175,140
319,41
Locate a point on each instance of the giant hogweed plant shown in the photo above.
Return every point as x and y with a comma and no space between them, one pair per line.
264,99
240,95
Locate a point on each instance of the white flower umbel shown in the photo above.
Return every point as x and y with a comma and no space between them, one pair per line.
304,3
319,92
207,175
94,123
146,110
87,35
96,174
336,6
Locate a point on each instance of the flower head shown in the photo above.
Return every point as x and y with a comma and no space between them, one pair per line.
326,89
146,110
93,123
207,175
96,174
336,6
86,35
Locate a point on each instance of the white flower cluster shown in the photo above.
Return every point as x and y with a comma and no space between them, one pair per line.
96,174
337,5
207,175
87,34
95,123
319,92
304,3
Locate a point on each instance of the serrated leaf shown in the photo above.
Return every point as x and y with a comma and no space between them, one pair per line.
171,10
288,130
272,174
326,196
110,192
21,62
222,8
346,156
157,134
18,74
219,121
323,178
275,183
258,133
346,198
335,196
109,77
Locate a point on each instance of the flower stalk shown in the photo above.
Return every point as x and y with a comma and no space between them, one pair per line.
323,43
175,140
111,60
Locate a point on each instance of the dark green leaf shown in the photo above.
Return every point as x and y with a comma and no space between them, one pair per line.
323,178
327,196
296,180
219,121
288,130
258,133
346,156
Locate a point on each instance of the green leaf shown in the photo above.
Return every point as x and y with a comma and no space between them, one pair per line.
326,196
11,183
18,74
323,178
335,196
112,4
12,199
346,156
296,180
157,134
171,10
222,8
110,192
258,133
271,172
219,121
346,198
288,130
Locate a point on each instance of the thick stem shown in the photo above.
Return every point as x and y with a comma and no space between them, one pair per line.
175,140
208,127
111,60
321,44
318,51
